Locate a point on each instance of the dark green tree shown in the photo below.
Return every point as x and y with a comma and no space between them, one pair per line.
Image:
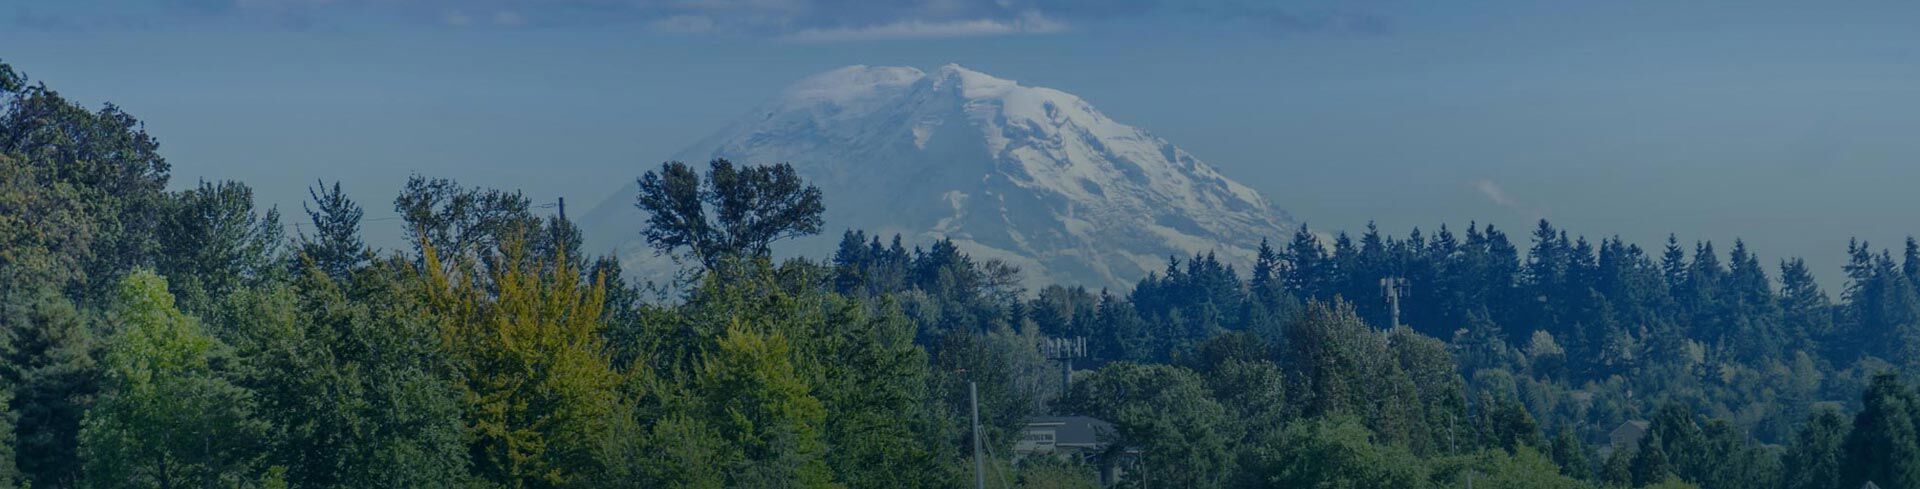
750,207
1815,458
1333,453
352,378
215,242
1165,412
50,364
335,246
1884,445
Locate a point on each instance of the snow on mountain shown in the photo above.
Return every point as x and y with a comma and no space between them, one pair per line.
1030,175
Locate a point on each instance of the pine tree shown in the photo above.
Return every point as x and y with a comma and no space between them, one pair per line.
1910,261
1884,445
1815,458
1306,268
1570,454
335,246
216,242
54,376
875,382
352,377
1650,465
1807,311
1673,264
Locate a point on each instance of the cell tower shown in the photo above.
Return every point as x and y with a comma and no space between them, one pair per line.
1392,289
1065,350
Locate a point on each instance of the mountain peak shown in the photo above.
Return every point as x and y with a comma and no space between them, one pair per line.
1030,175
969,81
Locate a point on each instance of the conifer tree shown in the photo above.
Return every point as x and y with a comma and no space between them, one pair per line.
335,245
1884,444
1814,460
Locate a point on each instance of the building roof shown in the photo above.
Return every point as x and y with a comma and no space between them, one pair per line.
1075,430
1631,428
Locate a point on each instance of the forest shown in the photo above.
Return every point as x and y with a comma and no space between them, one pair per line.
157,338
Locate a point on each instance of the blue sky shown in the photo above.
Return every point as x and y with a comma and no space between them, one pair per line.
1789,124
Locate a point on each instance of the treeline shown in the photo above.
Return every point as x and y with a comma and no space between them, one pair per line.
1275,380
156,338
1589,335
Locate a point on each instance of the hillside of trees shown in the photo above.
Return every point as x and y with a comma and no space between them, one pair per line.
158,338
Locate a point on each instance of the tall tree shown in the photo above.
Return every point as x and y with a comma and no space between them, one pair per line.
1815,458
335,245
460,223
751,207
169,417
216,242
1884,445
353,379
764,412
10,476
51,366
538,387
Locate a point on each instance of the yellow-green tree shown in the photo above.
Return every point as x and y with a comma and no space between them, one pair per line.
539,391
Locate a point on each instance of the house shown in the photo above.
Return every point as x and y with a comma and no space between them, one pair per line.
1628,435
1078,438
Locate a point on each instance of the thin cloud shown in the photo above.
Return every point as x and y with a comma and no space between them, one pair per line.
778,20
917,29
1495,193
1500,197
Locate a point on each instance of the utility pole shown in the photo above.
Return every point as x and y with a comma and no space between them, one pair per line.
979,462
563,208
1392,288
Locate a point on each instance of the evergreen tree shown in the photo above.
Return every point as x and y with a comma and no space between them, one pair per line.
54,377
1805,309
353,379
10,476
764,413
1570,455
216,243
1814,460
875,384
335,246
1884,445
1650,465
1307,268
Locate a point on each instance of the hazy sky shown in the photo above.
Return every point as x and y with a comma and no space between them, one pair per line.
1791,124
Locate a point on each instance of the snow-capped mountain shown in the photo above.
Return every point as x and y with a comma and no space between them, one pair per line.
1030,175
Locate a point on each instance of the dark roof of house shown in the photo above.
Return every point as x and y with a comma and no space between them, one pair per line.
1075,430
1631,428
